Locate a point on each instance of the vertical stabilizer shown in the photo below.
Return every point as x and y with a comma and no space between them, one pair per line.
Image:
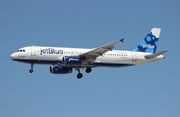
150,42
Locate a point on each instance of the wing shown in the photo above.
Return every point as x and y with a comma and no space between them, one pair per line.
90,56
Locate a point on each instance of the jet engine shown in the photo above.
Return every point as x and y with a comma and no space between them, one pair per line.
72,60
56,69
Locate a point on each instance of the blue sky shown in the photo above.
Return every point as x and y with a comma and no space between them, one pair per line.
142,91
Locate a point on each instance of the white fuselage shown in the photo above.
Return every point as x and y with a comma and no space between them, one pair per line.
64,60
54,55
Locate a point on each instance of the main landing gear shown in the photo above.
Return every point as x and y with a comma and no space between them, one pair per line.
80,75
88,70
31,70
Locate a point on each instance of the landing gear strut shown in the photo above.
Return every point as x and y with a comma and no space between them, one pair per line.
79,75
31,70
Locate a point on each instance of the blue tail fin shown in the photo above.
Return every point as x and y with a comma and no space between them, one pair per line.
150,42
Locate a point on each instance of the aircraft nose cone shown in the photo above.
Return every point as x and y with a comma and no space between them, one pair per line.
13,56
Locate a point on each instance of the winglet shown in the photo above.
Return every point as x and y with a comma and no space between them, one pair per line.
122,40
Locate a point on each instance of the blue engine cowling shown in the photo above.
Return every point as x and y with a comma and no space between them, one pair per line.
56,69
72,60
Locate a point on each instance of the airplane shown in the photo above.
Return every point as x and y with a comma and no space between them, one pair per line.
63,60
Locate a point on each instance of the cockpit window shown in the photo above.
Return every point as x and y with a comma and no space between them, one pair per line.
21,51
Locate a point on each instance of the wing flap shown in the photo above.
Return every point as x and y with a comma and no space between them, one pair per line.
93,54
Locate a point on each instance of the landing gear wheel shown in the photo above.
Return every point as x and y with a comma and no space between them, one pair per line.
79,75
31,71
88,70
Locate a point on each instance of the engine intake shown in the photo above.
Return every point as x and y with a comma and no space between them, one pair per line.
56,69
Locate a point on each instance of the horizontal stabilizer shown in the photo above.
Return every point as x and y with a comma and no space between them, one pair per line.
155,54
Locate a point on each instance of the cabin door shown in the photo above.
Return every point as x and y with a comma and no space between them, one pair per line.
134,56
33,51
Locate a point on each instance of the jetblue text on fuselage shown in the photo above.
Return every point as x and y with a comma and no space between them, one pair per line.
73,59
50,51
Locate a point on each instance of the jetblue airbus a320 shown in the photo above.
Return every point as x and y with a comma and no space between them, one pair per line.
64,60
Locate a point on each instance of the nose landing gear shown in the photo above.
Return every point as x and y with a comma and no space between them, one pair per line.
31,70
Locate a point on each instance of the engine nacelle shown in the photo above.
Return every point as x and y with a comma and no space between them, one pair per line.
56,69
72,60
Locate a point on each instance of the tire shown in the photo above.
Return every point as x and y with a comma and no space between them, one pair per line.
79,75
